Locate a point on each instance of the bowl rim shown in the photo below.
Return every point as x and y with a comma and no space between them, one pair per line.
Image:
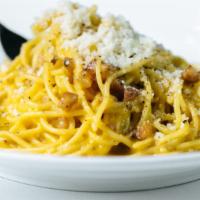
107,159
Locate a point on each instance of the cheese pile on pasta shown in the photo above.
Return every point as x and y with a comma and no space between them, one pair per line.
90,85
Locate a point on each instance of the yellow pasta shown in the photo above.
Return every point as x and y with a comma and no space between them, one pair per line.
53,101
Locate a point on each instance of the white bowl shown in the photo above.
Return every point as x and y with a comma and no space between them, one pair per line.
177,26
100,173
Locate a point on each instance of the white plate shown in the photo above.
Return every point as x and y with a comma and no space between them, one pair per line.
176,24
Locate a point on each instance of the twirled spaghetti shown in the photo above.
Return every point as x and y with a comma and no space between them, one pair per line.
52,101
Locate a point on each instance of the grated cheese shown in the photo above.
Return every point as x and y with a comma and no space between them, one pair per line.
171,126
20,90
30,71
110,37
40,71
158,135
15,112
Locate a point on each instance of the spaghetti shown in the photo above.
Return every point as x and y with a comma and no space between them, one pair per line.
53,102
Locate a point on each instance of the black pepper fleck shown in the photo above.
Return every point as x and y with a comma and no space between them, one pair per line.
53,61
